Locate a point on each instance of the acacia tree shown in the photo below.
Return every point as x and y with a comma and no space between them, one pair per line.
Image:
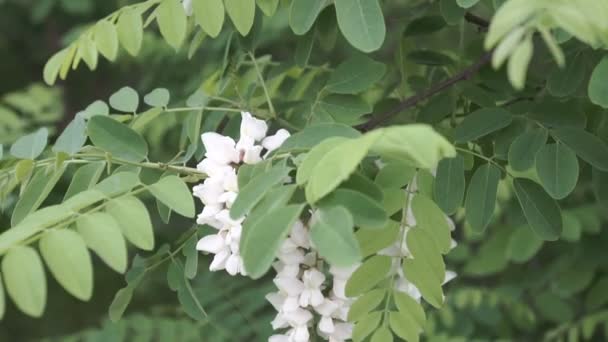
342,152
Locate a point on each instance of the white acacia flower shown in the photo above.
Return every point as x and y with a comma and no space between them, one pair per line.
342,332
249,153
311,294
219,148
210,191
326,310
213,243
208,216
187,7
275,141
252,127
299,235
213,169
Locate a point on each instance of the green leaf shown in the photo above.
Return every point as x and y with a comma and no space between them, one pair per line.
125,99
417,145
365,304
366,212
557,169
361,183
118,183
254,191
373,240
88,51
314,134
117,139
450,184
303,13
482,122
424,25
481,197
172,22
451,12
209,15
189,251
518,63
102,234
410,307
523,150
130,28
567,80
158,97
368,275
424,249
586,145
598,86
427,283
30,146
333,235
24,279
68,259
403,326
395,174
37,190
312,158
242,14
269,7
541,211
304,49
134,221
523,245
362,23
366,326
106,39
355,75
382,334
346,109
52,66
174,193
72,138
337,165
2,299
119,304
269,232
467,3
430,218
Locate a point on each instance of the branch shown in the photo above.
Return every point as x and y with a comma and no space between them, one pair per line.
412,101
479,21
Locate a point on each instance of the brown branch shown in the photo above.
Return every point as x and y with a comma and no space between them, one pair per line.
412,101
479,21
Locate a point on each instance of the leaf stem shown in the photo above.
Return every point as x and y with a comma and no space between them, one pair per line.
263,83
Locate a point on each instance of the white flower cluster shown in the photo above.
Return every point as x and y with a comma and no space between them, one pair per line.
220,188
303,292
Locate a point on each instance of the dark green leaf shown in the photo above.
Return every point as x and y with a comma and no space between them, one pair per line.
174,193
355,75
482,122
557,169
362,23
303,13
541,211
523,150
586,145
450,184
598,87
481,197
117,139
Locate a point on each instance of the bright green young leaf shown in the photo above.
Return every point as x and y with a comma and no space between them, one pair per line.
523,150
557,168
254,191
541,211
416,271
88,51
303,13
403,326
482,122
68,259
366,212
586,145
362,23
382,334
130,30
410,307
125,99
518,63
117,139
333,235
35,193
242,14
25,280
481,197
106,39
72,138
430,218
368,275
523,245
268,232
102,234
365,304
355,75
52,66
424,250
312,158
598,84
366,325
174,193
134,221
450,184
158,97
172,22
209,15
30,146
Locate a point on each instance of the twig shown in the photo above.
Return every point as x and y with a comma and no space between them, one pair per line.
479,21
412,101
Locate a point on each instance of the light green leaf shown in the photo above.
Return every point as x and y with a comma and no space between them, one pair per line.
52,66
598,84
125,99
422,245
130,29
68,259
35,193
417,273
269,7
2,299
88,51
269,232
172,22
368,275
410,307
312,158
365,304
189,251
96,108
24,279
102,234
450,184
467,3
518,63
541,211
209,15
333,235
158,97
482,122
366,212
362,23
382,334
72,138
586,145
430,218
119,304
355,75
242,14
303,13
30,146
523,150
134,221
117,139
366,326
118,183
481,197
523,245
106,39
557,169
374,240
174,193
254,191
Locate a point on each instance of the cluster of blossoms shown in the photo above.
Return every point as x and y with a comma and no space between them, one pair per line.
219,190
